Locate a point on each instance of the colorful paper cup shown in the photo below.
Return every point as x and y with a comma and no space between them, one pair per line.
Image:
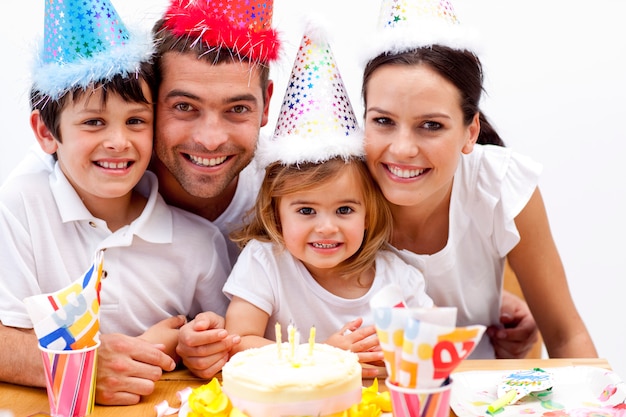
416,402
70,380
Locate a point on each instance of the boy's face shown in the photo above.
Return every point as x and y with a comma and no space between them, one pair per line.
324,226
106,147
208,119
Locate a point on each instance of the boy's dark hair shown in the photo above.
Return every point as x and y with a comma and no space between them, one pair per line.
129,88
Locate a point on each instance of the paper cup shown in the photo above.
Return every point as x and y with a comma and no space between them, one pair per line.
416,402
70,380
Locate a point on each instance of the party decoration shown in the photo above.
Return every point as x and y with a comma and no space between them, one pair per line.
420,402
241,26
577,390
371,397
210,400
86,42
70,380
420,352
517,385
68,319
316,120
389,296
404,25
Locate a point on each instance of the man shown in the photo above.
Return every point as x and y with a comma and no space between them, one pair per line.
214,95
213,99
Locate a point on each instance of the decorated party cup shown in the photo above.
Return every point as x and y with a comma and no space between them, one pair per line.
70,380
420,402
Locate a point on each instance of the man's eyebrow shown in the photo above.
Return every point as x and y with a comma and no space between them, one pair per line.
232,99
241,97
182,93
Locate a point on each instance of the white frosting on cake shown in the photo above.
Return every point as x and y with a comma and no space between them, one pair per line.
262,382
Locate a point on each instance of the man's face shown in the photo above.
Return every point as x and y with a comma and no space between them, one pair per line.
208,118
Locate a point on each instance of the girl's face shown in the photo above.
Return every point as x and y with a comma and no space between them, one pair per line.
324,226
415,133
105,148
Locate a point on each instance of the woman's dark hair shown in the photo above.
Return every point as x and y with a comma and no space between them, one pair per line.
461,67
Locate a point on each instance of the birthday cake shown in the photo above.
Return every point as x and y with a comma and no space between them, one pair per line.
281,379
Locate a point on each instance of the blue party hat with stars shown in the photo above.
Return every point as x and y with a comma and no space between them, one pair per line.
316,120
86,42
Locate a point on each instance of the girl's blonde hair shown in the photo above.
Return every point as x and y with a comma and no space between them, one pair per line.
281,180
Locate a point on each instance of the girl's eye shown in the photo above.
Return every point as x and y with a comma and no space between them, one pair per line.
135,121
94,122
344,210
306,211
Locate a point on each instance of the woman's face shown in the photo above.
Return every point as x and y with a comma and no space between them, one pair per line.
415,133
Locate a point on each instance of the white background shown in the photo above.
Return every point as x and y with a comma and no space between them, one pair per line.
556,89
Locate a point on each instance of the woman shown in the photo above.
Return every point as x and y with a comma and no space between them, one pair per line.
462,206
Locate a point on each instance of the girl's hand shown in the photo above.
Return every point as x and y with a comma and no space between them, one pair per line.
165,333
364,342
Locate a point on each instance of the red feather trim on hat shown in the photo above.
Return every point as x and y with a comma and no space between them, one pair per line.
217,30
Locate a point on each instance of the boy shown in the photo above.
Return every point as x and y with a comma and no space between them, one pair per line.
92,109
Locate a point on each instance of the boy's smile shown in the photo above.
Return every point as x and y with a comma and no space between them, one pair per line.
105,147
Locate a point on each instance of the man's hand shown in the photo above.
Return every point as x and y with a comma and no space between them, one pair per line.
204,344
516,335
128,367
20,359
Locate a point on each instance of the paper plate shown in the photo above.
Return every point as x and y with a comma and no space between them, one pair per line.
578,391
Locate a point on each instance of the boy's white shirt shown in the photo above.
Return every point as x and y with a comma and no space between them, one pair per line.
166,262
249,183
35,160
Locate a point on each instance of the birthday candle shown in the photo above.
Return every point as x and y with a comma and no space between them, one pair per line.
279,336
291,334
294,360
311,340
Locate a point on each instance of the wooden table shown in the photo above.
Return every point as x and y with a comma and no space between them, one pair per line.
25,401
